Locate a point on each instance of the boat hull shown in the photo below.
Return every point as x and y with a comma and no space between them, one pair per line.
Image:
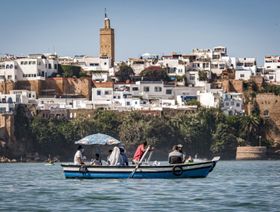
192,170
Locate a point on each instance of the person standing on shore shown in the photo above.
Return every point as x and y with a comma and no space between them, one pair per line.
78,158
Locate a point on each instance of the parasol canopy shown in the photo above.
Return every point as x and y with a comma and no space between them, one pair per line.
99,138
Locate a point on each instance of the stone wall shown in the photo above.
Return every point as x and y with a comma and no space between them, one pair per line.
269,106
52,86
68,86
5,87
7,127
232,86
31,85
251,153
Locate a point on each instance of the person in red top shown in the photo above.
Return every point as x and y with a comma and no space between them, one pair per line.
139,152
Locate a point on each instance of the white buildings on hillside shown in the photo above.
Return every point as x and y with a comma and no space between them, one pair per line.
99,67
33,67
9,101
245,68
272,69
232,103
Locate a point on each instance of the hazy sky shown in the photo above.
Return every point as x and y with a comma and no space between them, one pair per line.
248,28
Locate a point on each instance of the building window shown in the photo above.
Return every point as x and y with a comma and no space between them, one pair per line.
158,89
227,104
55,66
242,75
127,103
98,93
50,66
135,89
237,105
168,91
146,89
192,77
107,92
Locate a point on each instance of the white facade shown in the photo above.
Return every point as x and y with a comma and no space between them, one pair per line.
61,103
99,67
33,67
102,97
241,74
249,64
272,62
232,103
92,64
210,99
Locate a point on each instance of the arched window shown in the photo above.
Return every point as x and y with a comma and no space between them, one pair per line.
265,113
11,66
7,66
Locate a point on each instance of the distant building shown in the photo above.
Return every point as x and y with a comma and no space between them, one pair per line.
107,40
245,68
232,103
272,68
33,67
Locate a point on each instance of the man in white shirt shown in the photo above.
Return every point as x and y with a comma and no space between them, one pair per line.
78,158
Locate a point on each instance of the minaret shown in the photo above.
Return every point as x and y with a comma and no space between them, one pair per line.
107,40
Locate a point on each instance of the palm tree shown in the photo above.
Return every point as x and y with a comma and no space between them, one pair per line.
250,126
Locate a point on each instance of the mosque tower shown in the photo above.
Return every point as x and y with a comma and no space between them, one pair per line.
107,40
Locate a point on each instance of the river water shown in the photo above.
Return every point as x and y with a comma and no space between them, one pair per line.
232,186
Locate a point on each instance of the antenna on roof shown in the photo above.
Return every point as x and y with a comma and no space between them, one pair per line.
105,13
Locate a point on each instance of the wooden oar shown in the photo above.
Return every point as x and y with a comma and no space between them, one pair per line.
137,166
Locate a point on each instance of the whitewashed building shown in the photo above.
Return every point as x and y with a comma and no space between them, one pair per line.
245,68
33,67
232,103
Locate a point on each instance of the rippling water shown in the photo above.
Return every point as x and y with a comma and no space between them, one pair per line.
232,186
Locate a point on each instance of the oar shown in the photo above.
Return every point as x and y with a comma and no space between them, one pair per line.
137,166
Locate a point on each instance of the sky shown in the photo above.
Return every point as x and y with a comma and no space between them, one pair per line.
248,28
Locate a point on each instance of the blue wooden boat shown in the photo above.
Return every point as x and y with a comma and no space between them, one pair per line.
188,170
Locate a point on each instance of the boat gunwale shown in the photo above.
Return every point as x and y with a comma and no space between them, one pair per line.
143,167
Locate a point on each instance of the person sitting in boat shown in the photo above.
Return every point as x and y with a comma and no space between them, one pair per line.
78,158
96,161
180,149
109,154
114,158
123,157
175,156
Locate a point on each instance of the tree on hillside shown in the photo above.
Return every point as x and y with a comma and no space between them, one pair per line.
224,140
202,75
69,71
249,128
125,73
155,73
